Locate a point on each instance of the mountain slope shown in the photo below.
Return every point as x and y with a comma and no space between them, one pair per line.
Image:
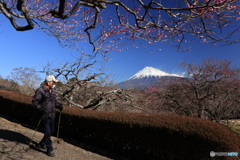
147,77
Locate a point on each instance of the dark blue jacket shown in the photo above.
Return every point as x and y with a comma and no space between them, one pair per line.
45,101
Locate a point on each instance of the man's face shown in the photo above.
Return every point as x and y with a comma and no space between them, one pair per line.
51,84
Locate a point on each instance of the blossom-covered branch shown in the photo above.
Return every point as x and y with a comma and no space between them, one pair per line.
117,25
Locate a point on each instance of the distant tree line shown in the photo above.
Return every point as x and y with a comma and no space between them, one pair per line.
22,79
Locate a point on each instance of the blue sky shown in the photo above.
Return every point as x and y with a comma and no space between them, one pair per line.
35,48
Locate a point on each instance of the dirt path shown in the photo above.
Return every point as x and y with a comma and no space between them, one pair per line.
14,145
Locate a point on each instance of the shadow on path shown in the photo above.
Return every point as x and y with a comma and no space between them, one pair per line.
14,136
18,139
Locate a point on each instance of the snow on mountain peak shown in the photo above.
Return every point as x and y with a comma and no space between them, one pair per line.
151,72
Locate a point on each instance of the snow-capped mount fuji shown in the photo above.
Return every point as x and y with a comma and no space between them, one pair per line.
147,77
151,72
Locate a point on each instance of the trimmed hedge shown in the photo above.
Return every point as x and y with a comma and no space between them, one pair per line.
134,135
18,107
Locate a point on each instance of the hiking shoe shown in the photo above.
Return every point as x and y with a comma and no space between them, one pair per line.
51,153
42,146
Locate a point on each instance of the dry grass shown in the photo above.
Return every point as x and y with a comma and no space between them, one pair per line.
233,124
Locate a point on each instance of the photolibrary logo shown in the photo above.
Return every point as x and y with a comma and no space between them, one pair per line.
212,154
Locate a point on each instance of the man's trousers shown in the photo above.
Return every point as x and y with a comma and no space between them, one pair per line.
48,128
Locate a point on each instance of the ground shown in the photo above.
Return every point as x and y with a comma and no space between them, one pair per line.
14,145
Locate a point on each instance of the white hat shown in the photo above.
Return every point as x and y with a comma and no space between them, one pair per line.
51,78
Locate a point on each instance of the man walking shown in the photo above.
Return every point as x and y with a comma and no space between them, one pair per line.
45,100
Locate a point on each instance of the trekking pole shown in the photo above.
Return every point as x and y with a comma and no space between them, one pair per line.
59,120
35,131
